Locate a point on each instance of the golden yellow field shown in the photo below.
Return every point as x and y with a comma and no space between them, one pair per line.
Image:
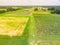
40,13
12,26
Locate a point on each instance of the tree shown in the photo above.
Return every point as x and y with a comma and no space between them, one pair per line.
57,11
36,9
52,8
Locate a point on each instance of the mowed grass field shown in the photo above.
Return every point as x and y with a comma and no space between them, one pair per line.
48,29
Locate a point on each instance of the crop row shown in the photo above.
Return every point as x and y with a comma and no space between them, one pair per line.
47,25
7,9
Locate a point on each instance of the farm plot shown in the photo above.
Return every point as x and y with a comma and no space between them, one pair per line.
12,26
17,13
48,29
40,12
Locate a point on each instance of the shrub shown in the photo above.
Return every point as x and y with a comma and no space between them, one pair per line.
36,9
11,9
2,11
57,11
52,8
52,12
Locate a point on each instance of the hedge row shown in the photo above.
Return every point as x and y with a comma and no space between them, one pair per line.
8,9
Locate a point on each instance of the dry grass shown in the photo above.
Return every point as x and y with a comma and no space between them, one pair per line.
40,13
11,14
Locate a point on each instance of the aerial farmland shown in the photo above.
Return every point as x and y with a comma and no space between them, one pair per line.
23,25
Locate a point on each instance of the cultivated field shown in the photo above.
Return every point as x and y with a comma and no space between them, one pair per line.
12,26
29,27
48,29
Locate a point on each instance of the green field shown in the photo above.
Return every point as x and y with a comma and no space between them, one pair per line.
23,27
48,31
